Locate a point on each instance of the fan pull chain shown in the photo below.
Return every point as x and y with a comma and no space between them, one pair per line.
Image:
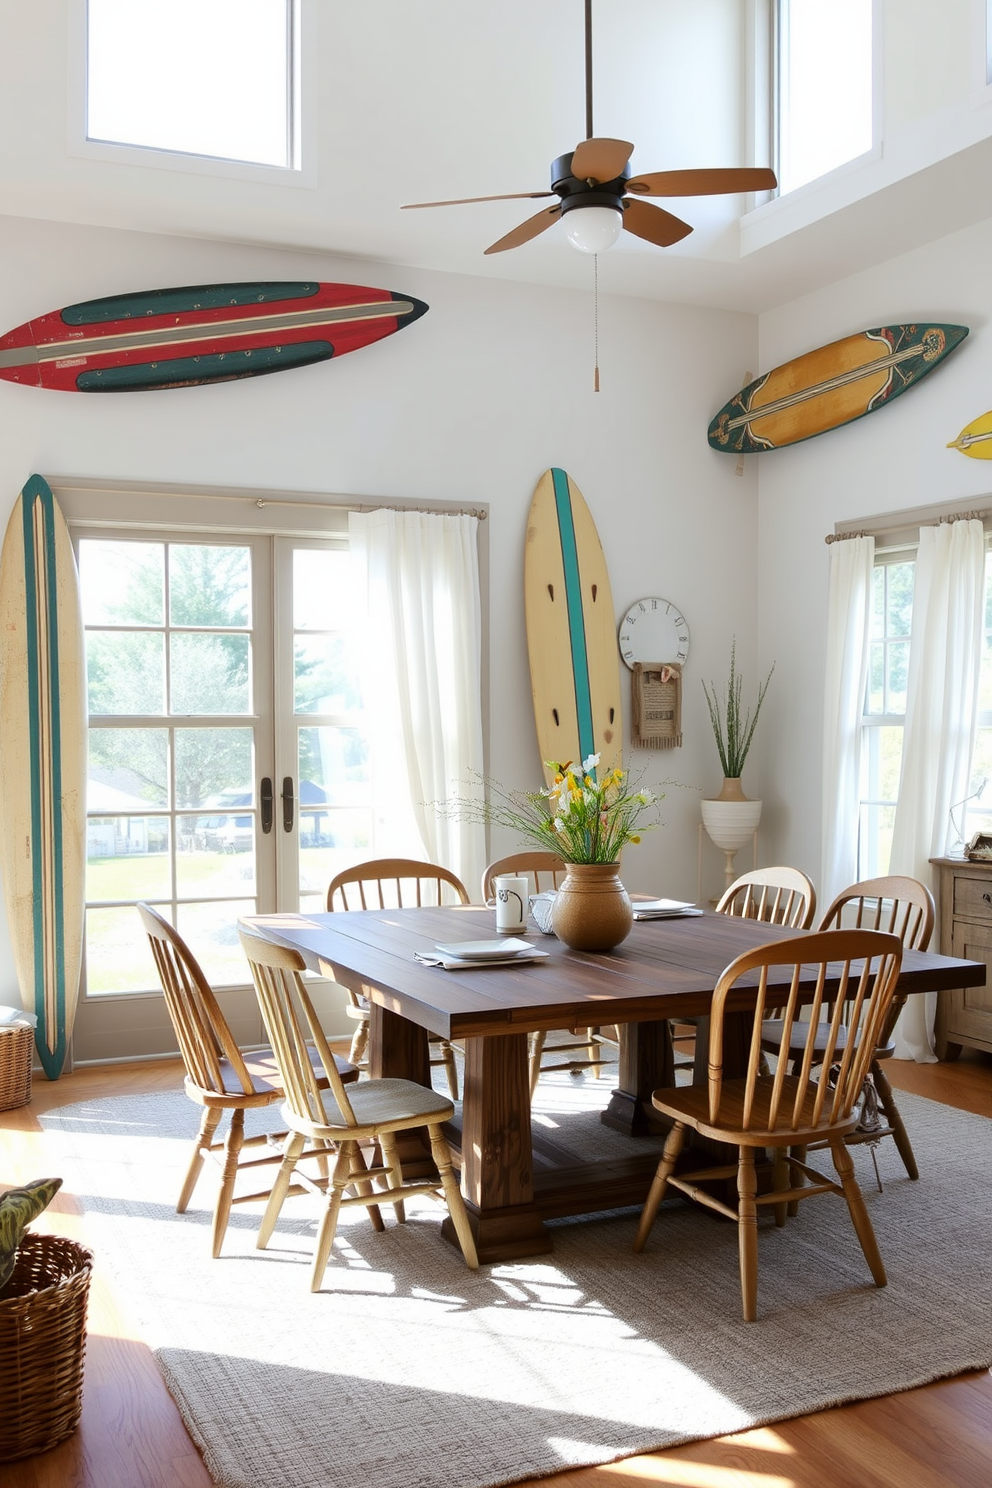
595,296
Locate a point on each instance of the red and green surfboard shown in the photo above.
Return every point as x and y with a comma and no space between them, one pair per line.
165,338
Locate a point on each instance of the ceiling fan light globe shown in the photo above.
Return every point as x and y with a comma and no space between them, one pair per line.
593,229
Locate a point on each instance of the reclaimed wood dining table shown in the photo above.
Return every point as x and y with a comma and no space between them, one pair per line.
664,970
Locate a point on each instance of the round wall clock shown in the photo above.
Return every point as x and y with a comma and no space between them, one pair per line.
653,630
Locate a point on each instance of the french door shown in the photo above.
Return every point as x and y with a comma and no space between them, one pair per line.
228,762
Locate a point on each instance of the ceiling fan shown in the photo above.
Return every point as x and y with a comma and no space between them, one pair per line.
598,196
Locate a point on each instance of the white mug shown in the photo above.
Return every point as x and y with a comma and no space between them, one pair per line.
511,903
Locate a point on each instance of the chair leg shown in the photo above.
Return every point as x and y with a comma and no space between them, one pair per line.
859,1213
534,1059
781,1173
592,1052
209,1122
673,1146
800,1154
359,1042
295,1144
747,1232
233,1143
450,1068
456,1204
340,1179
894,1117
391,1157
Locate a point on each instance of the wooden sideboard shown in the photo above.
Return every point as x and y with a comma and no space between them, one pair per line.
964,925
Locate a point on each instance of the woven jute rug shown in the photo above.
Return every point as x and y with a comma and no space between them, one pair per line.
409,1371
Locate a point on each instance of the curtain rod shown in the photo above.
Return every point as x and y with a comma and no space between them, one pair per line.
898,522
479,512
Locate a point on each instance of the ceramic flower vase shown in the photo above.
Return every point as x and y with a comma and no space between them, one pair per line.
591,910
730,820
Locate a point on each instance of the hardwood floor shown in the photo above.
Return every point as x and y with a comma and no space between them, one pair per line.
131,1435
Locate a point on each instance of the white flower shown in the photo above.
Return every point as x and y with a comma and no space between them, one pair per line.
590,763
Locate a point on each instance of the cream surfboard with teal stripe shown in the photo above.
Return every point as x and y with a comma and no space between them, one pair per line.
571,630
43,778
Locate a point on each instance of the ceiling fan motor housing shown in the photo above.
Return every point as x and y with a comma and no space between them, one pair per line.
578,193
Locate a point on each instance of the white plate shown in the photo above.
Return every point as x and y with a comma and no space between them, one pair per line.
485,950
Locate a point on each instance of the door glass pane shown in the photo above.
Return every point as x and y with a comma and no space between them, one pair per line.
122,583
325,589
214,767
118,956
327,675
211,930
127,857
331,838
209,586
128,769
334,767
125,671
209,673
216,855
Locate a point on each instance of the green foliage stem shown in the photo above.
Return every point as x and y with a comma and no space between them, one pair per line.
733,729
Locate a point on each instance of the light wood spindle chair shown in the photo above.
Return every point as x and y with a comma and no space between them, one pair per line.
546,870
373,1110
219,1075
393,883
783,1111
776,896
900,906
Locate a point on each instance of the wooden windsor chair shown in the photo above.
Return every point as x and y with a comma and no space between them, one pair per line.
219,1075
784,1111
900,906
392,883
372,1110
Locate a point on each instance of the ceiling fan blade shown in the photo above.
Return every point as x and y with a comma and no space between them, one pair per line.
526,230
462,201
703,182
600,159
654,224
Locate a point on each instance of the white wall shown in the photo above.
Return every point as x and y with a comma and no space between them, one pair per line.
470,404
891,460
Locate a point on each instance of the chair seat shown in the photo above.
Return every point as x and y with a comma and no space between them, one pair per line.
771,1037
385,1105
264,1071
690,1104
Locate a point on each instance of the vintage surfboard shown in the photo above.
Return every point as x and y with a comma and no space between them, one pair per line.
164,338
571,629
833,385
975,438
43,779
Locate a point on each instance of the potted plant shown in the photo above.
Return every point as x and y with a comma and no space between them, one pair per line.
44,1287
586,821
730,818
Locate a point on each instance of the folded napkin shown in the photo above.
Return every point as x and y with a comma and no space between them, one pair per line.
663,909
463,963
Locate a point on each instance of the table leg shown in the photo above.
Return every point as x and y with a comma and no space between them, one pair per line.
399,1049
497,1162
646,1064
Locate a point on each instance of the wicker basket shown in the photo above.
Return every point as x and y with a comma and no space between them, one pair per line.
42,1339
16,1045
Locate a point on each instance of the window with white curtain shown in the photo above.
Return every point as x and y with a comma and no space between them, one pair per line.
824,86
884,715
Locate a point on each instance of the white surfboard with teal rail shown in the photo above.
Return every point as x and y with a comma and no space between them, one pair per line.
43,773
571,629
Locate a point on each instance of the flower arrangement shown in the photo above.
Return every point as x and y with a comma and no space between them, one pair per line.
579,817
733,729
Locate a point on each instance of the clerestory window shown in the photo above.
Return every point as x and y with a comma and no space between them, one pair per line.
213,78
824,86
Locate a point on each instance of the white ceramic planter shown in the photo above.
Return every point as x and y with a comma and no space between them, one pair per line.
730,823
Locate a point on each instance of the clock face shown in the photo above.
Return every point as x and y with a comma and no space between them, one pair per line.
653,630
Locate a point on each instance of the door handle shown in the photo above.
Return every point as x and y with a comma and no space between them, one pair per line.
265,800
288,803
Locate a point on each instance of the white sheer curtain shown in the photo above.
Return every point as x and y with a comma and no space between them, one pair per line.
424,660
941,712
848,627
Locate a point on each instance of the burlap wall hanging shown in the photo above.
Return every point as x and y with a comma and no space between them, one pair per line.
656,705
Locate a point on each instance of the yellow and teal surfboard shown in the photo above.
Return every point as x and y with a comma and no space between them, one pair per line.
571,629
43,779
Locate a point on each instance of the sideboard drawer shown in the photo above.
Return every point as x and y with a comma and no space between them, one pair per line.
972,898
